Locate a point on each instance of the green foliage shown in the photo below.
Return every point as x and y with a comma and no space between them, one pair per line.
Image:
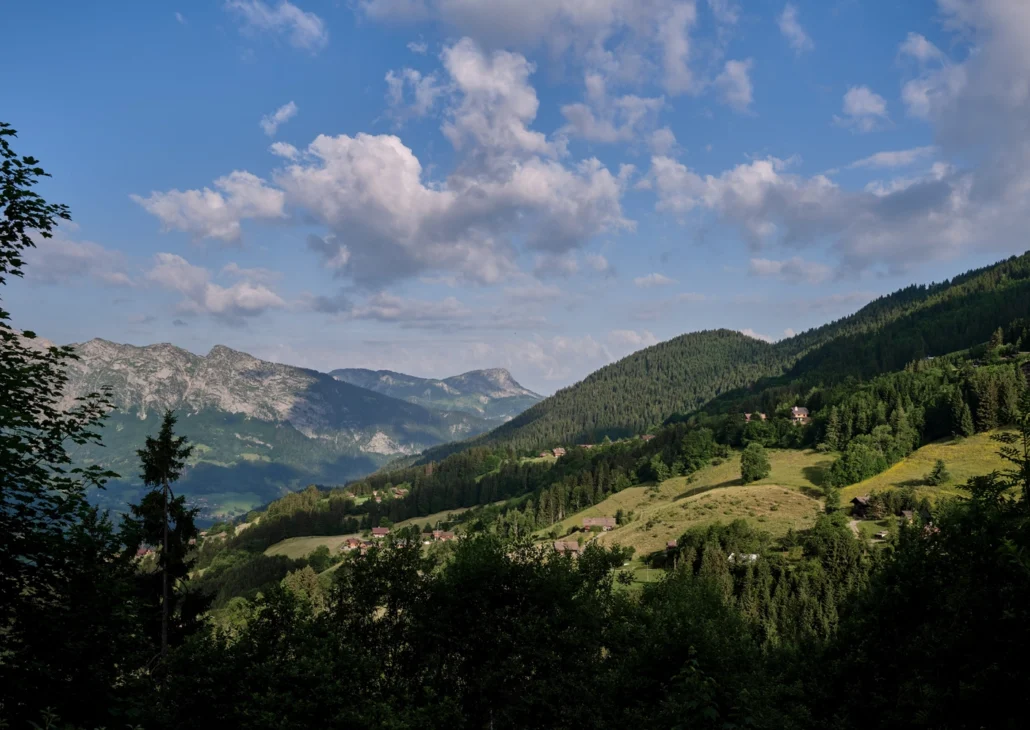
162,520
67,613
320,559
861,460
754,463
1016,449
942,631
938,475
831,497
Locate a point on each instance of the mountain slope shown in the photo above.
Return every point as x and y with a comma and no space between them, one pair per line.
491,394
277,425
683,374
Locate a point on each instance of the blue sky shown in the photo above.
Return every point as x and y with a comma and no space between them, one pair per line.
433,186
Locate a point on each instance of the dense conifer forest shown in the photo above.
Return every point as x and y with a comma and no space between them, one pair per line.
148,624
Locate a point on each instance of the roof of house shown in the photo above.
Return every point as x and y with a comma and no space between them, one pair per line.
863,500
570,546
799,411
380,530
670,544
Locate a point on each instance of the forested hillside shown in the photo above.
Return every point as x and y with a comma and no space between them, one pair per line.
864,426
637,392
683,374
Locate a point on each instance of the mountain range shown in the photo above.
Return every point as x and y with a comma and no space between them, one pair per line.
261,428
491,394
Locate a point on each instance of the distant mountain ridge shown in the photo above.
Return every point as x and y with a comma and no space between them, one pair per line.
283,426
492,394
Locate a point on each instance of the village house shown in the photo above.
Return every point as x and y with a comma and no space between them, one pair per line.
586,446
378,532
860,507
545,454
605,523
567,546
559,452
442,535
647,436
747,416
799,414
907,515
351,543
671,545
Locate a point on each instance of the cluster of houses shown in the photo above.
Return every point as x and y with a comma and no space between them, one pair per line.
378,533
572,547
393,492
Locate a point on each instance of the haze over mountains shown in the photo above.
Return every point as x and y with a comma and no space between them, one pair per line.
492,394
260,428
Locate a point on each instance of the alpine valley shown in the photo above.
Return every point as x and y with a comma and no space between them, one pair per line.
261,429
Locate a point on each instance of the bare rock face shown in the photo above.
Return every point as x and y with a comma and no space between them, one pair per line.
492,394
154,378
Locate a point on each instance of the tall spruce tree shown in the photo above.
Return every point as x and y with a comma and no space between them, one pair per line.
161,518
961,416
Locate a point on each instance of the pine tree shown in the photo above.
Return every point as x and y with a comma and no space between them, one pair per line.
986,390
961,416
997,340
833,429
938,475
163,459
1016,450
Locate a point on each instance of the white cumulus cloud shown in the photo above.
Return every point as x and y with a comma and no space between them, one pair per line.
864,110
245,298
216,213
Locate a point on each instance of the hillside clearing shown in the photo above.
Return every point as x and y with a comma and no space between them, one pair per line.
301,547
768,507
787,498
965,458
